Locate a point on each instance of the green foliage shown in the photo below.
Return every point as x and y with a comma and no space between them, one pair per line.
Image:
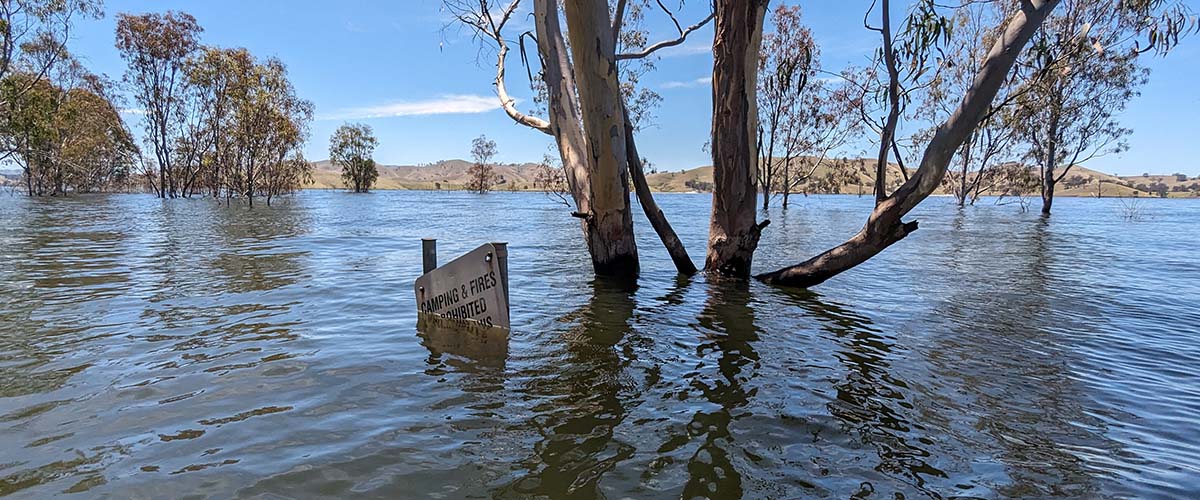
219,120
65,139
482,174
351,147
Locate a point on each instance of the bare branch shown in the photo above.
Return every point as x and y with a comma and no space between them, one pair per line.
667,43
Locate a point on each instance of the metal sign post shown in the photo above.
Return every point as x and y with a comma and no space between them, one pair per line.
471,288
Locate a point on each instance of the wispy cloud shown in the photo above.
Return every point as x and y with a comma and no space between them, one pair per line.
687,49
133,111
687,84
443,105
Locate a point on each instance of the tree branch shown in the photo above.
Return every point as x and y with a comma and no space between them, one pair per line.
667,43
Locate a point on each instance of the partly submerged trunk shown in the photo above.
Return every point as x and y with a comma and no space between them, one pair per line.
608,218
1048,183
1050,162
885,227
733,233
658,220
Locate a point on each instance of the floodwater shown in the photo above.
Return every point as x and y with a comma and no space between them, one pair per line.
158,349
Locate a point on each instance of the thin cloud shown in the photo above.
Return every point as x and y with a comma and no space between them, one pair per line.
133,111
699,82
443,105
687,49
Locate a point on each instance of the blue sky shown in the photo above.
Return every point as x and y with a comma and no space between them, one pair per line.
427,91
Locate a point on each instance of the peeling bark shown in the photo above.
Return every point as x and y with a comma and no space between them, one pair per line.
609,220
884,227
733,233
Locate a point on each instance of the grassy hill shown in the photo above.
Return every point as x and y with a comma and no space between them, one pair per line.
452,175
446,174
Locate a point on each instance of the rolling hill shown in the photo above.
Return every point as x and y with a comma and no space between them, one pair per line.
452,175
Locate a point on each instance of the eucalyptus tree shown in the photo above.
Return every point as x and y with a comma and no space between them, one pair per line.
733,232
34,35
270,127
1162,23
351,148
157,47
787,65
481,175
33,42
1083,70
213,73
65,132
978,164
802,118
588,114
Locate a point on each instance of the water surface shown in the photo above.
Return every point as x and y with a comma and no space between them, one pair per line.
153,349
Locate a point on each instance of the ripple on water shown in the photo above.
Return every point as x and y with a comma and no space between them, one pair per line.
156,348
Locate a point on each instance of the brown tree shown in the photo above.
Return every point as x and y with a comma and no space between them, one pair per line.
978,162
1083,74
597,165
65,132
786,67
733,232
157,47
482,175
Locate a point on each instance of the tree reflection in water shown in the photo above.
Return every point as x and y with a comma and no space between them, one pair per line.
871,402
582,398
727,331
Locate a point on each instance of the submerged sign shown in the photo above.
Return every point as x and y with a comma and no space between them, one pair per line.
473,288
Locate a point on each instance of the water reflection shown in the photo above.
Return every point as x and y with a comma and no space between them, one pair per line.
155,348
479,345
727,331
581,398
872,402
1011,374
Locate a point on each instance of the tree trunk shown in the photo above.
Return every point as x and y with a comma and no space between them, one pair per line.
893,118
670,240
965,152
610,219
765,164
1050,163
1048,191
733,233
884,227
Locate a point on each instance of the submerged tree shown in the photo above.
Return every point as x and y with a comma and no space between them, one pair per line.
157,48
65,132
1082,72
482,175
214,75
733,232
885,225
802,118
786,67
270,128
350,148
588,114
978,165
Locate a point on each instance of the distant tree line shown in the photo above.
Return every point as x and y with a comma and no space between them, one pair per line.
217,121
